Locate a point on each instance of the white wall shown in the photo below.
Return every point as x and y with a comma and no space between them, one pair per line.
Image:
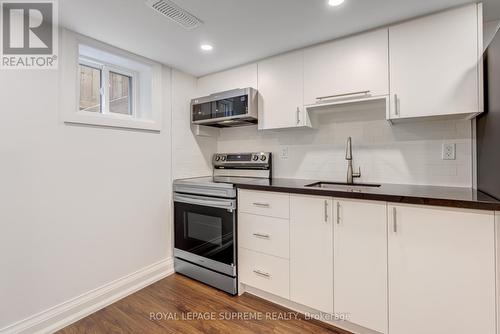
80,206
191,154
403,153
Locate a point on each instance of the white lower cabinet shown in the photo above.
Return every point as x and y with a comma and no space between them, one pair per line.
264,234
441,270
360,266
394,268
264,241
265,272
264,203
311,251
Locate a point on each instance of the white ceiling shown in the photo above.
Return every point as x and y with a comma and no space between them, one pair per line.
240,30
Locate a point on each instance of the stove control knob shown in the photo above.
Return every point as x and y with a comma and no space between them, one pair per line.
223,158
263,158
255,158
217,158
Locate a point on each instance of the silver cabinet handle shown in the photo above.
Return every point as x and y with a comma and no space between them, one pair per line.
394,220
326,211
261,273
338,213
262,205
260,235
342,95
396,111
298,115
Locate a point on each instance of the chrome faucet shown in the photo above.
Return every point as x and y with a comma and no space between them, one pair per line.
348,157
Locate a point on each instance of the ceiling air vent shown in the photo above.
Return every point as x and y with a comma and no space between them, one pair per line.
175,13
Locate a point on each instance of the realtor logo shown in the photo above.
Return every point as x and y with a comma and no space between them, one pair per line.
28,34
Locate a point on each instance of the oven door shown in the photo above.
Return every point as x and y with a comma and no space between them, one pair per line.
205,231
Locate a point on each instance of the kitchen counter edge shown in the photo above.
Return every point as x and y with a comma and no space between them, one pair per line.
454,197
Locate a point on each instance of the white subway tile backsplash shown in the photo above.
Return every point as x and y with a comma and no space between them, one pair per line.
408,153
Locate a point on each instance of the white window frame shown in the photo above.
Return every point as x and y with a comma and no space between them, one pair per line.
105,69
146,98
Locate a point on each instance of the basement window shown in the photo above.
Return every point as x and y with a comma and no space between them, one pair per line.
106,88
114,88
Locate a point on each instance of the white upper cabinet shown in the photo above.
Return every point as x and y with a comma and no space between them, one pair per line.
311,252
240,77
425,67
434,64
360,275
441,270
281,92
345,68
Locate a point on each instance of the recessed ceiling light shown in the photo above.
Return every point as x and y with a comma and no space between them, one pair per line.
335,3
206,47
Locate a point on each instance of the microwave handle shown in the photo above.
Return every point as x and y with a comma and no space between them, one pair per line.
228,204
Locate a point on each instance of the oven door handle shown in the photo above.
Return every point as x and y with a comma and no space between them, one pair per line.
228,204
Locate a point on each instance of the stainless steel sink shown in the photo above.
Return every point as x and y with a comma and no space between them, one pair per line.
342,186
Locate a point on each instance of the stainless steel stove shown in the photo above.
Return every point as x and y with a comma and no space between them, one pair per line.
205,213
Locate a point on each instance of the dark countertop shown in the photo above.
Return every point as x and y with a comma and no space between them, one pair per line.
397,193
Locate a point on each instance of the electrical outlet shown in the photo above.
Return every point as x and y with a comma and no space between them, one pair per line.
284,153
449,151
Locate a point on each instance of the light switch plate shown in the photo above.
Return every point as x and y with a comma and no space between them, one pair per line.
449,151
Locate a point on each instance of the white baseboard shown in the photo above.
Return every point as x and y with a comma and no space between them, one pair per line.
64,314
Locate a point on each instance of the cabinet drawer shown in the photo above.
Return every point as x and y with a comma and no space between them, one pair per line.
264,203
264,234
264,272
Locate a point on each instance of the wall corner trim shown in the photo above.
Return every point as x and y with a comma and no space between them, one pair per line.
70,311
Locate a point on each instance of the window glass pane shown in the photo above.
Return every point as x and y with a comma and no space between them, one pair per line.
119,93
90,89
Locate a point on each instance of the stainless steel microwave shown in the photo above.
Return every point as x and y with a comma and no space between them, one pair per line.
236,107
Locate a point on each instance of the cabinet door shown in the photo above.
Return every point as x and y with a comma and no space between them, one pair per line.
347,66
360,266
441,270
434,65
240,77
281,92
311,252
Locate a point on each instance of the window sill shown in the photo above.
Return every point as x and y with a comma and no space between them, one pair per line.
117,121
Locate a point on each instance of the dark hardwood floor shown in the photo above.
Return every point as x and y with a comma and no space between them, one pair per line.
178,303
